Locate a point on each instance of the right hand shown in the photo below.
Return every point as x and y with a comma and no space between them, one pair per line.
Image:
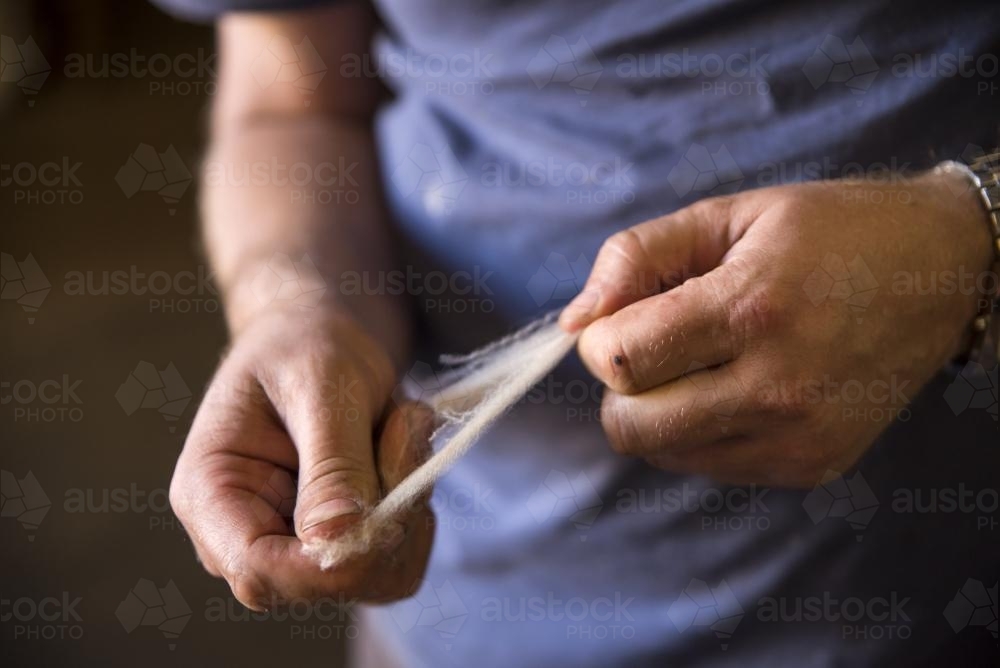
300,398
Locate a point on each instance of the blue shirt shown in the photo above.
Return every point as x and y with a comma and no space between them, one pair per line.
523,134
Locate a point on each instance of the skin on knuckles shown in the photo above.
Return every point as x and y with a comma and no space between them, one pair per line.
801,367
680,415
235,483
656,340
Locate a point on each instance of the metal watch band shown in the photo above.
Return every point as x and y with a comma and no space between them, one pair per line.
985,172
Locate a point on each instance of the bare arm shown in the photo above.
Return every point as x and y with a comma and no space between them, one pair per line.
264,131
300,407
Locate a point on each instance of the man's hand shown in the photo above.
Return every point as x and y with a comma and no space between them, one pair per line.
758,369
290,418
300,398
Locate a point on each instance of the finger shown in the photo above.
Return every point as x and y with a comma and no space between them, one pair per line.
233,491
250,542
404,445
657,339
697,409
329,415
233,445
649,258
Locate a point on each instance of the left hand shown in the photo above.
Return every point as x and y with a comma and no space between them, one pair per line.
764,367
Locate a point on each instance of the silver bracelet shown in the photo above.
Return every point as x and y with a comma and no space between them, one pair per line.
984,172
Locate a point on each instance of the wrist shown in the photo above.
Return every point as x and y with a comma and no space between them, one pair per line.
968,220
316,303
973,205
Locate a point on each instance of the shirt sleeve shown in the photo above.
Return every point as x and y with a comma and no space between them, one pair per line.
209,10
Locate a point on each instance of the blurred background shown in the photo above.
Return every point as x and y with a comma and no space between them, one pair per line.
104,293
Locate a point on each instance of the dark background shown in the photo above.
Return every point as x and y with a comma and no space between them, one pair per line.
94,448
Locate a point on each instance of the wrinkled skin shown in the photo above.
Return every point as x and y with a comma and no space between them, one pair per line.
749,371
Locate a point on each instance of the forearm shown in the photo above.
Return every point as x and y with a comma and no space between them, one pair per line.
252,210
293,172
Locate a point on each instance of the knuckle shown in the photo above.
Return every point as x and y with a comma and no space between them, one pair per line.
337,476
620,427
754,317
177,496
604,353
781,401
625,244
713,210
621,260
249,587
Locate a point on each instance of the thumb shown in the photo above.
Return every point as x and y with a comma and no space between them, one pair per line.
338,481
652,257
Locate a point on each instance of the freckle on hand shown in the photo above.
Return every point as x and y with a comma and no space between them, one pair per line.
618,360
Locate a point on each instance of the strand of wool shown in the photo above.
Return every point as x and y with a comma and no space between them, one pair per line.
479,389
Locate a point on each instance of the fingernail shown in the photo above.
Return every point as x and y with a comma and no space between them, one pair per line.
578,312
329,510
